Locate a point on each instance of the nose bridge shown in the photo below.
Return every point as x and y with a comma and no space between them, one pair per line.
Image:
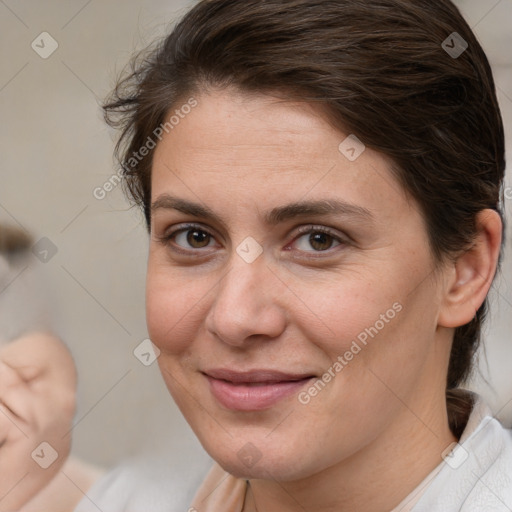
245,302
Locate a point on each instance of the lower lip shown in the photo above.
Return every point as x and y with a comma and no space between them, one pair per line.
245,397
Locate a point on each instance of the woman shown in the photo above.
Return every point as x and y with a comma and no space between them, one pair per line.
322,185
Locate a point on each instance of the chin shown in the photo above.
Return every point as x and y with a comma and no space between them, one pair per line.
269,462
287,471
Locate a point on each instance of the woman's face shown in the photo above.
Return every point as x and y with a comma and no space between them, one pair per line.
290,289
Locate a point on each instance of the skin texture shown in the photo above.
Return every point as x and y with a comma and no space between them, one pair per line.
380,425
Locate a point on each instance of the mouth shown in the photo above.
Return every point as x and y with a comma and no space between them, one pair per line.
253,390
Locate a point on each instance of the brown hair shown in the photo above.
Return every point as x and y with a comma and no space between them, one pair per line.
379,69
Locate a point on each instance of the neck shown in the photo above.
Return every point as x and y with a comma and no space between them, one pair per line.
375,479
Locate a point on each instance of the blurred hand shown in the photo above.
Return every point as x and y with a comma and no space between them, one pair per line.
37,404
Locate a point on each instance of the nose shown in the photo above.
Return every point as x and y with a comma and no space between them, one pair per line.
247,304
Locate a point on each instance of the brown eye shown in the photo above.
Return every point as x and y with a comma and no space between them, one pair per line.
319,239
192,238
188,239
197,238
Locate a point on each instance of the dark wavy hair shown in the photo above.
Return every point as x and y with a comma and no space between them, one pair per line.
380,69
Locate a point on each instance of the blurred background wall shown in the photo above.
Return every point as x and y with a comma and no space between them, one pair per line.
55,151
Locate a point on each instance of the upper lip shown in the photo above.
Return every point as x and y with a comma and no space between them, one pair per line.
263,375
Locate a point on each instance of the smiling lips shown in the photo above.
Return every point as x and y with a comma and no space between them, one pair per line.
254,390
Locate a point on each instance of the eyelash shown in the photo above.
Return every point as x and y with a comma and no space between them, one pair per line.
167,238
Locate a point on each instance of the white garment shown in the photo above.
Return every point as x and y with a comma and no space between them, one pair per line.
477,478
483,480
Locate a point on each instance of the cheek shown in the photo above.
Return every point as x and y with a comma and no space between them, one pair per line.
371,324
173,307
348,310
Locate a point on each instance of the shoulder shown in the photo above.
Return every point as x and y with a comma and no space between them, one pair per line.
159,484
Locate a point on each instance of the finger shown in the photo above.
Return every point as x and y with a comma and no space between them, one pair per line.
38,354
11,427
15,394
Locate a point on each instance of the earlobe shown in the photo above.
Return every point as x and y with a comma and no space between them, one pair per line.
473,274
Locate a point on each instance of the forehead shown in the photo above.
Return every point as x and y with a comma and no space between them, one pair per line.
245,149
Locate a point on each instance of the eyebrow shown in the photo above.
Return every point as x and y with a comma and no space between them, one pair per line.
273,217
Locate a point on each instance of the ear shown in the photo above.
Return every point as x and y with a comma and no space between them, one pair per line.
473,273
